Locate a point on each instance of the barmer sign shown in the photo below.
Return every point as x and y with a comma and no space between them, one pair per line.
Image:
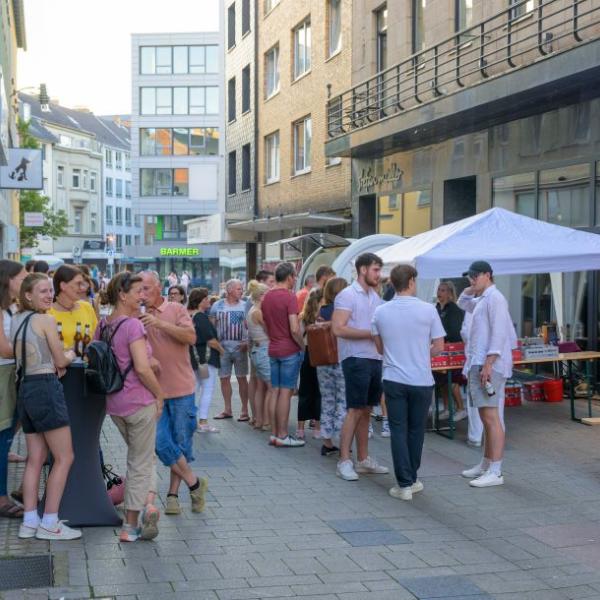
180,251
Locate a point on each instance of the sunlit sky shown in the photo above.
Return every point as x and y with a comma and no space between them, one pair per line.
81,49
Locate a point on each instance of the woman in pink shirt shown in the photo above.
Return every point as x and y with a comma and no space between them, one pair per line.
135,408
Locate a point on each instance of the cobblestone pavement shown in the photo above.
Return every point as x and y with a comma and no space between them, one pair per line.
279,524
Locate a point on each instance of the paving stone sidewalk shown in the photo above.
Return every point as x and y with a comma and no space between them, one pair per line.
279,524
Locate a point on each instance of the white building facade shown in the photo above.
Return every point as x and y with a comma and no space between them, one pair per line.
177,145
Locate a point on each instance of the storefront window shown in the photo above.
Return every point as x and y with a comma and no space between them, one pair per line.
564,197
516,193
390,214
416,213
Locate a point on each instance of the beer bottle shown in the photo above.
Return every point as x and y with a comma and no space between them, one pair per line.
78,341
60,333
86,338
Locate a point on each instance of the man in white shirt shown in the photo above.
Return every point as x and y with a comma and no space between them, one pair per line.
488,365
408,332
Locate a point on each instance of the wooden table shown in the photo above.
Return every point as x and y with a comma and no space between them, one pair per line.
568,358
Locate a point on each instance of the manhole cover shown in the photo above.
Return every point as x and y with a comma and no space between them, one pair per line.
26,572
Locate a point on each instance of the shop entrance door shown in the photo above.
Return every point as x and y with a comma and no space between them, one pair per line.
367,215
460,199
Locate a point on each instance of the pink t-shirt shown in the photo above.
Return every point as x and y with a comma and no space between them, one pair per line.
134,394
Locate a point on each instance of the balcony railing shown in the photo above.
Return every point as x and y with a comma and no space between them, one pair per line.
524,33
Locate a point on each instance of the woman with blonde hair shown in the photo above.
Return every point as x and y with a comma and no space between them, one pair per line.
309,395
331,379
259,357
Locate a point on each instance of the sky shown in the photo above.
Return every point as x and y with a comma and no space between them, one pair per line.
81,49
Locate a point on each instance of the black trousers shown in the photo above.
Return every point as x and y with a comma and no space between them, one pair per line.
309,394
407,407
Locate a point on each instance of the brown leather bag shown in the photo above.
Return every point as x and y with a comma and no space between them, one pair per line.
322,345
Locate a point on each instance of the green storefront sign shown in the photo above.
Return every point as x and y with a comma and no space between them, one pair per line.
180,252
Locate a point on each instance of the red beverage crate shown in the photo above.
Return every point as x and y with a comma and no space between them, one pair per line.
512,395
439,361
533,391
517,355
456,360
455,347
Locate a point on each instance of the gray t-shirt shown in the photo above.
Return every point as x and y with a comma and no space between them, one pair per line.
230,323
406,326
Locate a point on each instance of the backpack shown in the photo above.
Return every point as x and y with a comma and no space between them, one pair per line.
103,373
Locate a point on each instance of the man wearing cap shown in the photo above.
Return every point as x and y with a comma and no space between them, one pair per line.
488,365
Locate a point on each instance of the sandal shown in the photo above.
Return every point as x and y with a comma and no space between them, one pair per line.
16,458
10,510
243,418
17,495
223,415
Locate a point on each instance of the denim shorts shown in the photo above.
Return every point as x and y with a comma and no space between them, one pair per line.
234,359
285,371
175,430
41,404
363,381
259,357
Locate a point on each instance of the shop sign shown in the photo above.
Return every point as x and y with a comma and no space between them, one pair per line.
368,179
180,252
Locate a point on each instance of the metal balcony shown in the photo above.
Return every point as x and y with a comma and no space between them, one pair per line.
525,34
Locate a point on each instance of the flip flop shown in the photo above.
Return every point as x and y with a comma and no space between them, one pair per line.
223,415
243,418
16,458
10,510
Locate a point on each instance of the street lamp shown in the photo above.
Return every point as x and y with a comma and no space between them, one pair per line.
43,97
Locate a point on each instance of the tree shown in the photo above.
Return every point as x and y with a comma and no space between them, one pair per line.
56,223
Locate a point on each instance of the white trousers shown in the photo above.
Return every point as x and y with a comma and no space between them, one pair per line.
204,391
475,424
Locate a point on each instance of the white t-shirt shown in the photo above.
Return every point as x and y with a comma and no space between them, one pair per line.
6,322
407,326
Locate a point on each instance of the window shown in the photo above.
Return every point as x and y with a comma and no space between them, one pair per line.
272,71
164,182
76,178
464,14
127,162
164,60
136,239
180,141
302,143
302,45
109,215
381,24
246,167
93,176
246,89
147,61
232,188
119,188
136,221
212,59
109,186
65,140
119,215
521,8
118,160
128,240
334,26
231,99
231,26
108,157
60,176
84,180
119,242
128,217
93,222
270,5
77,220
418,31
197,59
128,189
180,60
245,17
272,157
179,100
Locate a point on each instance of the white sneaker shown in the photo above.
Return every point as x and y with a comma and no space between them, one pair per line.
473,472
370,430
401,493
443,415
460,415
488,479
370,465
60,532
473,444
417,486
26,532
345,470
272,439
289,441
385,429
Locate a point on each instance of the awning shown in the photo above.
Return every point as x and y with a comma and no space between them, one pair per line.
323,240
288,222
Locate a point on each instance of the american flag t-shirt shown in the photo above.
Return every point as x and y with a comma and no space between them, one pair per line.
230,321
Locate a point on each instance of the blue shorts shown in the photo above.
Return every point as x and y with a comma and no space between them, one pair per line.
175,430
285,371
41,404
363,381
259,356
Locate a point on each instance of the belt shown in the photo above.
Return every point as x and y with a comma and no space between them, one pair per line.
259,344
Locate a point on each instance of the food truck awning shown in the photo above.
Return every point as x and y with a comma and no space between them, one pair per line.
288,222
323,240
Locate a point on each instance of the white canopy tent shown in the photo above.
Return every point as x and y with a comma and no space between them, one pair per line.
511,243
